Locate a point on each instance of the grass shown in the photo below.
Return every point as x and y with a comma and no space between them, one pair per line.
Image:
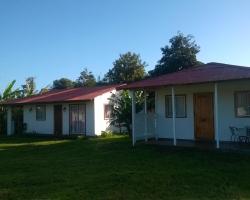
109,168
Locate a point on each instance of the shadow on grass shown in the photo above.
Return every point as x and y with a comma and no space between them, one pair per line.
8,142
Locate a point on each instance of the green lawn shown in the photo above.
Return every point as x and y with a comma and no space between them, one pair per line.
109,168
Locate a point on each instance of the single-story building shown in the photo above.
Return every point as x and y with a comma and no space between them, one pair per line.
198,103
84,110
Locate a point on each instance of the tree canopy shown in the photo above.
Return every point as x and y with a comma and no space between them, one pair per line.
127,68
86,79
180,54
62,83
29,88
45,89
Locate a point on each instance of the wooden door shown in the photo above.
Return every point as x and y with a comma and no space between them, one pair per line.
204,116
58,120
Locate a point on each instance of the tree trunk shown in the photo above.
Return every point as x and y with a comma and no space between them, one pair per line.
129,130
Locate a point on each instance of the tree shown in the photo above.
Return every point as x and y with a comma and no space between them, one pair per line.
121,112
29,88
62,83
86,79
181,54
127,68
6,95
45,89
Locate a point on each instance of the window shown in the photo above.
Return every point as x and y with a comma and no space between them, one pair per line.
108,111
180,106
40,112
242,104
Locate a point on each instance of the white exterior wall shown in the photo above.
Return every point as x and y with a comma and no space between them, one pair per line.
95,122
47,126
185,126
226,108
90,121
101,124
41,127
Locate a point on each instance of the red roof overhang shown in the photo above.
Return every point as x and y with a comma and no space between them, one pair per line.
64,95
207,73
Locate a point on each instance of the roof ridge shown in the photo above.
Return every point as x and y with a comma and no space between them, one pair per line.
194,68
225,64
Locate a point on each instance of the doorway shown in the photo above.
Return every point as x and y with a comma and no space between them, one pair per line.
77,118
58,120
204,116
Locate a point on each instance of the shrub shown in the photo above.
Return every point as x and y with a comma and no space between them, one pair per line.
107,133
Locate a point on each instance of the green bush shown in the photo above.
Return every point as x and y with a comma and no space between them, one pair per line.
107,134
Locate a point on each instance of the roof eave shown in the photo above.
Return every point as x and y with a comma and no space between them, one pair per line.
180,84
46,102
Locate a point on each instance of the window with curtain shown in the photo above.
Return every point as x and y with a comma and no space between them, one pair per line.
41,112
108,111
180,106
242,104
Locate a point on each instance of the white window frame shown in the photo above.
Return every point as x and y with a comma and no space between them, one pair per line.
104,111
169,114
237,106
41,117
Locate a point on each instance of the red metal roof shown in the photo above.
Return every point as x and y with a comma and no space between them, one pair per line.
210,72
64,95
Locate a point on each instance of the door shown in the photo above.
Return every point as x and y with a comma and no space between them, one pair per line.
17,119
77,117
204,116
58,119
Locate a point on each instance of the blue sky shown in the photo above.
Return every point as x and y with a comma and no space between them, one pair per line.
50,39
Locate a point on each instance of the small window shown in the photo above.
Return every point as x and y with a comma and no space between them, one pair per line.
108,111
40,112
242,104
180,106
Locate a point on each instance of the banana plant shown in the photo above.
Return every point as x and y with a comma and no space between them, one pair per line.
8,93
